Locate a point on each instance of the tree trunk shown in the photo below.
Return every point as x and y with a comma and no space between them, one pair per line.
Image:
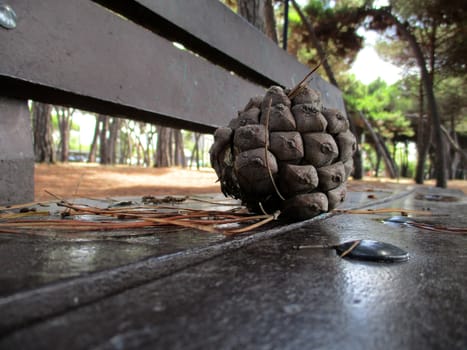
195,152
423,138
171,148
162,150
456,160
357,158
259,13
42,129
389,161
381,148
64,116
179,149
139,150
114,132
440,164
423,149
316,44
404,168
126,145
150,149
454,144
378,161
128,151
103,152
93,149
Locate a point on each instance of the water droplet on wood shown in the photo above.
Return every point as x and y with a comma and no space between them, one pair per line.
373,251
7,17
398,219
436,198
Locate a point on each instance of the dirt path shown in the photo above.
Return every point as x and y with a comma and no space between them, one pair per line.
95,181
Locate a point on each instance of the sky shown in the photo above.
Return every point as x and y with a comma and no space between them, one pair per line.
368,66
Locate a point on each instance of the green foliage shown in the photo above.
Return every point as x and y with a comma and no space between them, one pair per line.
452,97
440,28
382,103
54,115
407,94
294,18
397,52
335,24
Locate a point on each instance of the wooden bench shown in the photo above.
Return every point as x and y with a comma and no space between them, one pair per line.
118,58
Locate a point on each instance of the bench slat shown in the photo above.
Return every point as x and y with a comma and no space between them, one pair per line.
76,52
214,31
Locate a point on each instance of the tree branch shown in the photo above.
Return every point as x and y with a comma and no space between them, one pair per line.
407,34
454,144
316,44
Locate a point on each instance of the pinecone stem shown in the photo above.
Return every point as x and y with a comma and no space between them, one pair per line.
294,92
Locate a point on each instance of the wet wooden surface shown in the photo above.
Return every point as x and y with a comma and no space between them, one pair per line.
282,287
56,255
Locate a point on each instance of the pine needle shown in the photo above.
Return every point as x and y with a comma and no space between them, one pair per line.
296,90
128,218
53,195
11,216
439,228
352,247
269,218
403,212
266,146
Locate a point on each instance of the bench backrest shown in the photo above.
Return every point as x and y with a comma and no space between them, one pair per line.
117,57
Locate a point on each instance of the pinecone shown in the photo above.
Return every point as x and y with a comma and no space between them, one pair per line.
287,154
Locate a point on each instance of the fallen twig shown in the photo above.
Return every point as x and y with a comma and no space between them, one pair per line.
128,218
294,92
403,212
352,247
439,228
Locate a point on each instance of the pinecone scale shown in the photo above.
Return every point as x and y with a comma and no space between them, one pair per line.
286,154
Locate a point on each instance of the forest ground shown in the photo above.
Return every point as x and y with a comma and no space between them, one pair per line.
95,181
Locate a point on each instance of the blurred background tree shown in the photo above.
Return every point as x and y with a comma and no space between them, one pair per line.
428,37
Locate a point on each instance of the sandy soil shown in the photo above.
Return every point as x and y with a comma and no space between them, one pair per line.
95,181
